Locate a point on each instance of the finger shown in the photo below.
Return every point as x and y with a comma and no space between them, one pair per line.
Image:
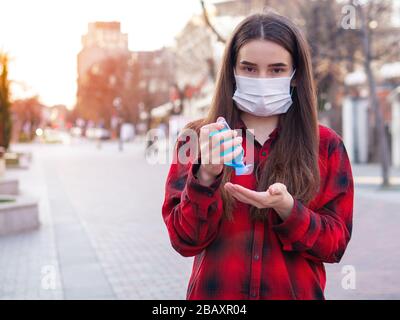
229,144
220,118
206,142
206,130
232,155
271,190
221,154
212,126
240,196
228,184
222,136
228,147
255,195
277,189
237,195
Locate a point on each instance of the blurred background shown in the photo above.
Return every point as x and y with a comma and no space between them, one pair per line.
82,85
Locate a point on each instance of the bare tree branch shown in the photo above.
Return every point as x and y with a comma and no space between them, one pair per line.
209,24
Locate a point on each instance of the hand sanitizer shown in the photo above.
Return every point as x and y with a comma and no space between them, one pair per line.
237,163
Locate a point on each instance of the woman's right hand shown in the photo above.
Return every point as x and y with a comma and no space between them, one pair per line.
211,148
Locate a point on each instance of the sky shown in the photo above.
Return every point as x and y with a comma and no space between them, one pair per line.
43,37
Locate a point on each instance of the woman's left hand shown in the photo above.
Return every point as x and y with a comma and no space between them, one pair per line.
276,197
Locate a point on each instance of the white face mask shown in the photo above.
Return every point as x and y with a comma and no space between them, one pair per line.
263,96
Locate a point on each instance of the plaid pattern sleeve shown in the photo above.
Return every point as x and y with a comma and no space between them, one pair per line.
323,234
190,210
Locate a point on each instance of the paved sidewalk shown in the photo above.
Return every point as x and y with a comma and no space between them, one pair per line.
373,251
26,258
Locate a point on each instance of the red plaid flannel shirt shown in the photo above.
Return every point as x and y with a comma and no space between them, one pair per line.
274,259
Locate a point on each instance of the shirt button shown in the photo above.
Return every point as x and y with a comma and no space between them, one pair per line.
263,153
256,257
254,294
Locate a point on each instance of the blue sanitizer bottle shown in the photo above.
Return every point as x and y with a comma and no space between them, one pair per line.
237,163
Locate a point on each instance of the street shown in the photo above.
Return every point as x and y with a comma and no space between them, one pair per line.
102,234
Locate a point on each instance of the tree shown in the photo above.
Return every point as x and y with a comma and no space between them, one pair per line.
111,79
27,112
220,38
5,118
368,59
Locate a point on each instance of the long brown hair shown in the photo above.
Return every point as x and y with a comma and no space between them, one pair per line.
293,160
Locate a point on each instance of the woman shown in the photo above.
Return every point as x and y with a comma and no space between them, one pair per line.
266,234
